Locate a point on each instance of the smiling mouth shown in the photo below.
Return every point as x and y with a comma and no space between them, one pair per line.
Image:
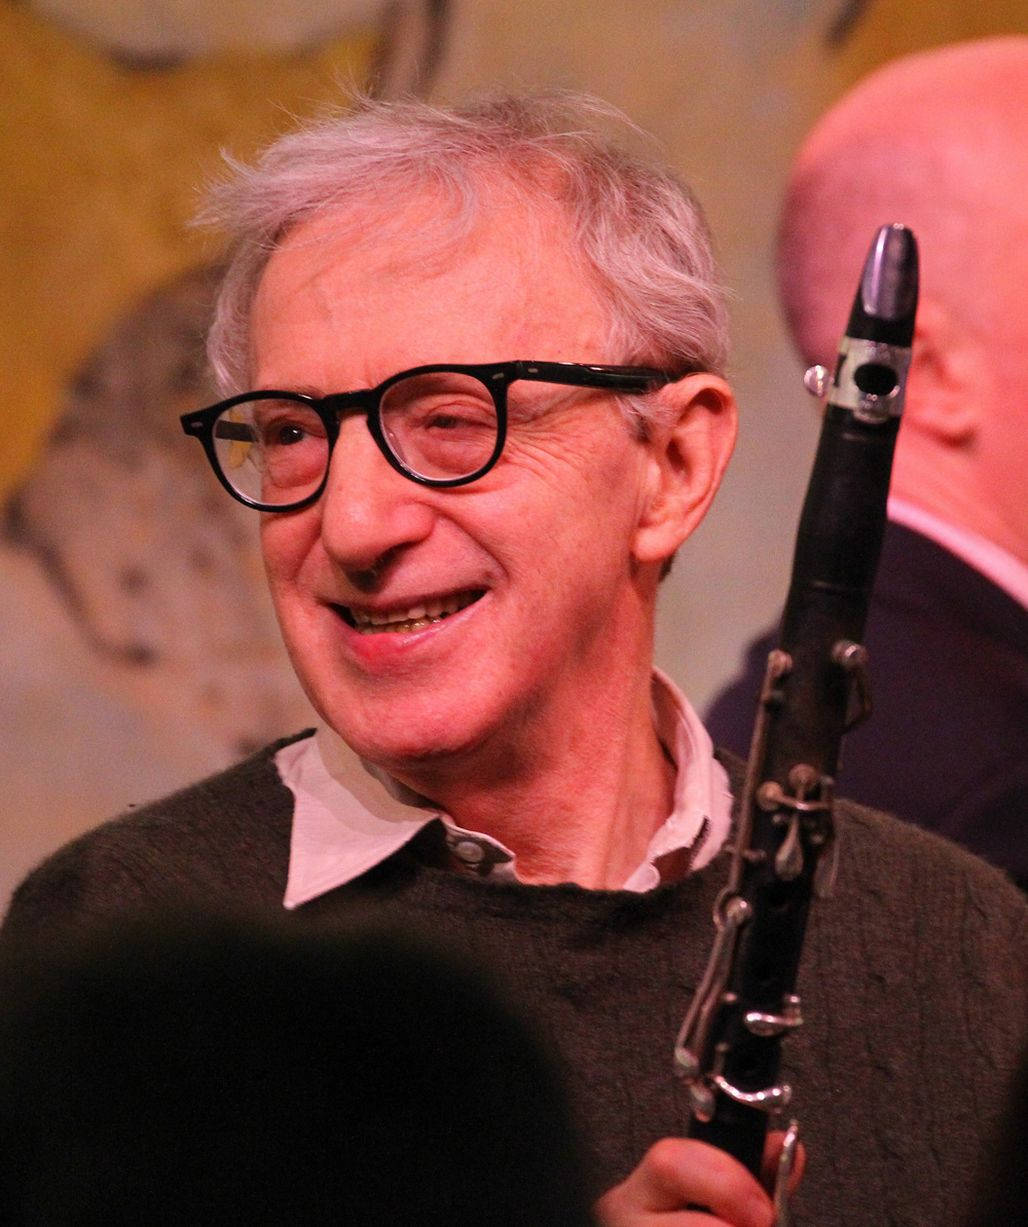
408,618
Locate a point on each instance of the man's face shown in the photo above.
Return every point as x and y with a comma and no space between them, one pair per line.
499,605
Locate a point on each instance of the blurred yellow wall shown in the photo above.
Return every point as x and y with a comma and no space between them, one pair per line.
893,28
100,166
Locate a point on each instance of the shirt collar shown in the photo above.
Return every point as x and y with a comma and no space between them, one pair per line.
349,816
986,557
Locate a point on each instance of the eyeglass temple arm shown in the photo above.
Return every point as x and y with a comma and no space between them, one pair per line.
629,378
238,432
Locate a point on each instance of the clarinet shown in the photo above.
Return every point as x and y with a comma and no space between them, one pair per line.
815,688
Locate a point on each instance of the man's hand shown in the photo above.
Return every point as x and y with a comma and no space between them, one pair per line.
678,1173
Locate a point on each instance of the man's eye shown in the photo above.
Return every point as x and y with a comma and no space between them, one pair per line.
289,430
452,416
284,433
449,420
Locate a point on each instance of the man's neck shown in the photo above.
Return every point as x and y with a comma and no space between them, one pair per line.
938,482
578,803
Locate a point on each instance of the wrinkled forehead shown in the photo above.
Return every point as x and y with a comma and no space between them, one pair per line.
427,278
436,218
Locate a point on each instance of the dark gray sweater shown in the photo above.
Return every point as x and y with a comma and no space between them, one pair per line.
914,979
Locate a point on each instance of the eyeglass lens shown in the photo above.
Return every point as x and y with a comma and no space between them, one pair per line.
440,425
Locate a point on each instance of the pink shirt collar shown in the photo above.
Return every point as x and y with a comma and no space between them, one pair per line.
348,816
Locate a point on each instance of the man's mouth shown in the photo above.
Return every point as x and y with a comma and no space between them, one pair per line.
408,618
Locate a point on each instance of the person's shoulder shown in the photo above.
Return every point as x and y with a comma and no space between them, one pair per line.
226,833
938,939
884,845
916,889
220,802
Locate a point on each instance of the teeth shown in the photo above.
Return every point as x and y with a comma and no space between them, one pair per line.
417,617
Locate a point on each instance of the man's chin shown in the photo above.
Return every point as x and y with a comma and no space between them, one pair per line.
450,730
432,751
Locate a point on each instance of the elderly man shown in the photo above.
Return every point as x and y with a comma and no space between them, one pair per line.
948,627
474,361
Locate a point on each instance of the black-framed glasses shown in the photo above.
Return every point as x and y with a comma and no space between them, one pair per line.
438,425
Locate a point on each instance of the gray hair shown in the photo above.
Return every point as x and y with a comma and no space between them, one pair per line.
640,231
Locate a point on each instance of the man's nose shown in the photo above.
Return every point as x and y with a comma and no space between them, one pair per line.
368,509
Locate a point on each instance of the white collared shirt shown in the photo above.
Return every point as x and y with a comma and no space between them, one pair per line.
348,816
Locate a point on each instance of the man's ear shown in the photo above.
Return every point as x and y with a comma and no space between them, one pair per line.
946,378
688,457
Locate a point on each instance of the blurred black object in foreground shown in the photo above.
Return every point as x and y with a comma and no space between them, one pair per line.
239,1074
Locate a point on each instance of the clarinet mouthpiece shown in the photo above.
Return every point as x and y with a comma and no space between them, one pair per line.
886,298
874,356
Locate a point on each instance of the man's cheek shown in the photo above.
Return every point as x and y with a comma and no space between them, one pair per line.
285,545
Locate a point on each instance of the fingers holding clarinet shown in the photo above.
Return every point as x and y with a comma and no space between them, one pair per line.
682,1182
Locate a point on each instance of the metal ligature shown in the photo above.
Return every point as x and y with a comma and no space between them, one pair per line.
815,688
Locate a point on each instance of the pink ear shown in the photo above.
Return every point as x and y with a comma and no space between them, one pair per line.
689,460
946,379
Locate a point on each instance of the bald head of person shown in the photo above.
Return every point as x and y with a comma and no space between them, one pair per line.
939,142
